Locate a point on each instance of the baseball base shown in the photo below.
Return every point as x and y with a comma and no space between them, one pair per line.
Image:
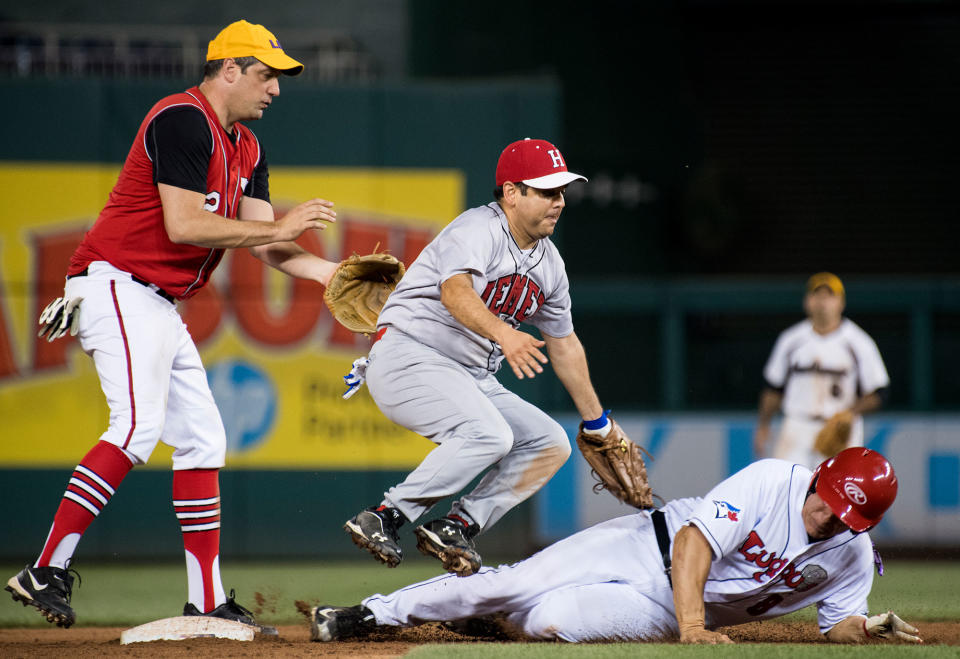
183,627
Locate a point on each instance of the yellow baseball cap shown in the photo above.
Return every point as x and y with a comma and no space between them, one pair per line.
827,279
243,39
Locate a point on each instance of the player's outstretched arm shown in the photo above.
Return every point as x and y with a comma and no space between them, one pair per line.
570,364
287,256
691,566
886,626
521,350
188,223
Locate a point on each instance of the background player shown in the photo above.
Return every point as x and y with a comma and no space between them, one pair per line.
771,539
442,336
192,171
822,366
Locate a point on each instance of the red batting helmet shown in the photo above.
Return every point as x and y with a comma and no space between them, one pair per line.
858,484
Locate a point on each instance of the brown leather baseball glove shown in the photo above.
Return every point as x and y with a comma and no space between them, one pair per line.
835,434
359,288
617,464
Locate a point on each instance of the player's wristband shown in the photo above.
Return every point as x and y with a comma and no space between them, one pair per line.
597,424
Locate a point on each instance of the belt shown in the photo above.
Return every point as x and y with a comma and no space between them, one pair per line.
379,334
663,541
143,282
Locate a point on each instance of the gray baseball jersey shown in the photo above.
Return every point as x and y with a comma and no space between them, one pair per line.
516,285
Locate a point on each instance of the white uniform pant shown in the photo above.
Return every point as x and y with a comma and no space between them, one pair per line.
797,436
149,369
475,421
602,584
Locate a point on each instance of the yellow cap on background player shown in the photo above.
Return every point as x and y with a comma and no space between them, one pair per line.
243,39
827,279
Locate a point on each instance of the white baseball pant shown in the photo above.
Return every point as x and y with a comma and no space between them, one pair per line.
797,436
605,583
149,369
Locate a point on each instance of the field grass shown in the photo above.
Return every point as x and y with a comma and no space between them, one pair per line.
120,594
131,594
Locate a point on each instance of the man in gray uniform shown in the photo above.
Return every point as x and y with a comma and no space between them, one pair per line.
441,338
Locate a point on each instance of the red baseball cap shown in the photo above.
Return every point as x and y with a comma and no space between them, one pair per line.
536,163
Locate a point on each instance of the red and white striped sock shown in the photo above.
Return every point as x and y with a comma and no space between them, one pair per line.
92,484
196,500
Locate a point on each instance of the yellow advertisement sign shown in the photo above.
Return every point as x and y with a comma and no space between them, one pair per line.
275,358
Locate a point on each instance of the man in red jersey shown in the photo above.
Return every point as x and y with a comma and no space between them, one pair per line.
194,183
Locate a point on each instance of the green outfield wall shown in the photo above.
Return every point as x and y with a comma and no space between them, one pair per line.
408,158
411,125
283,514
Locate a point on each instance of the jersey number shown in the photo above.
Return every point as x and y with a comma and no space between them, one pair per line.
765,604
213,202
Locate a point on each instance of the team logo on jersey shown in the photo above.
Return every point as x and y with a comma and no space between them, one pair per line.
724,509
855,494
754,551
514,298
768,561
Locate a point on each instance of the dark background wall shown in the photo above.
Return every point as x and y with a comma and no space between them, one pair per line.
726,142
731,142
720,136
767,138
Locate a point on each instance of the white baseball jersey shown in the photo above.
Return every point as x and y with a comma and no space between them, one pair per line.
764,563
516,285
608,582
821,375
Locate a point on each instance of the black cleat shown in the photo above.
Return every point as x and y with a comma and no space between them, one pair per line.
230,610
332,623
375,529
451,541
46,588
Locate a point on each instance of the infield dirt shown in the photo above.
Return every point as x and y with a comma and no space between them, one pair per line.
294,640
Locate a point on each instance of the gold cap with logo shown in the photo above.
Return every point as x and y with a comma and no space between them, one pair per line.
243,39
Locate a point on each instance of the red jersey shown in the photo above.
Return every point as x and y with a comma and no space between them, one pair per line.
130,232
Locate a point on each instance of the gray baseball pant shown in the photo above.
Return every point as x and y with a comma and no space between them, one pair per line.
476,423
